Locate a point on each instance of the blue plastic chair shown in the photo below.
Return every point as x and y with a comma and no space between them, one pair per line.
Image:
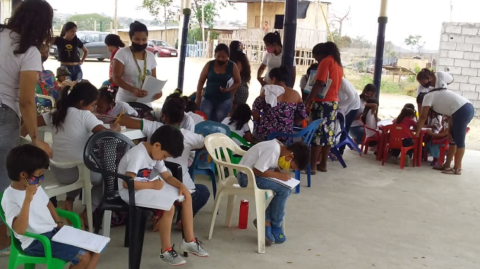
307,135
348,141
203,164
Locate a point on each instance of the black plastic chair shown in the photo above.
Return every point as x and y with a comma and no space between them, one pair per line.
102,154
141,108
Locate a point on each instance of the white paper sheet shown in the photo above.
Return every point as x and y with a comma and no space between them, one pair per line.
158,199
152,86
82,239
291,183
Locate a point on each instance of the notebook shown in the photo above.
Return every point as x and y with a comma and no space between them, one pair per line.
291,183
162,199
152,86
81,239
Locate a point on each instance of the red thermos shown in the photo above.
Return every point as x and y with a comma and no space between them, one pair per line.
243,216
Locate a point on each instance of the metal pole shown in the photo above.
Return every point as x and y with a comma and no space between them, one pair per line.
290,31
115,18
382,25
261,15
183,48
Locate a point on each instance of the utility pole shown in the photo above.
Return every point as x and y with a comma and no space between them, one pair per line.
382,25
115,19
289,33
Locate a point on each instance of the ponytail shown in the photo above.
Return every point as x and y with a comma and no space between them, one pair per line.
273,38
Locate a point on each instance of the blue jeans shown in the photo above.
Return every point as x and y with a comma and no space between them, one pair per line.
461,118
215,111
199,197
75,72
356,133
60,251
276,209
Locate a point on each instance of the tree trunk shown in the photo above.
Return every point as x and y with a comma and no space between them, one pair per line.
203,30
165,17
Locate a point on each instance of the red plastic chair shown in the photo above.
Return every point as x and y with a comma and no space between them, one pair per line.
444,146
396,135
198,112
366,140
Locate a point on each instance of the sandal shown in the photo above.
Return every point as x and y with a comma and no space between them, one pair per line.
452,171
441,168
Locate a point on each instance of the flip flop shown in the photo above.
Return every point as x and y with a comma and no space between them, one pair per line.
441,168
452,171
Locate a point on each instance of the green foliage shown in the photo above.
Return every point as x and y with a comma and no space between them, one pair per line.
210,13
408,87
162,8
86,22
417,69
415,41
341,41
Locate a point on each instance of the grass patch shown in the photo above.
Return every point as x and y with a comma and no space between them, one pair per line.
405,87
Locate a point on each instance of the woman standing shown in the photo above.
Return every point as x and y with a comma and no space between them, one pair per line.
29,27
457,108
330,68
67,45
240,59
217,97
133,64
273,57
114,43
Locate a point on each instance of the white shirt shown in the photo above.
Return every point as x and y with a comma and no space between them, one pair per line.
187,123
10,67
442,80
195,117
138,161
245,128
191,141
262,156
40,219
348,97
130,72
272,61
120,106
444,102
358,122
70,139
370,122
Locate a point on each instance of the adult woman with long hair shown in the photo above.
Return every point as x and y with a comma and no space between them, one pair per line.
67,45
457,108
273,57
133,64
114,43
28,28
240,59
217,97
325,107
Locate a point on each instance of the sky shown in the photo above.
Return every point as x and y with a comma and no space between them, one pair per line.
405,17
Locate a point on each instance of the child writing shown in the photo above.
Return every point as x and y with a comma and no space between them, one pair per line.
106,104
370,120
27,208
73,122
165,142
406,120
412,107
238,122
272,159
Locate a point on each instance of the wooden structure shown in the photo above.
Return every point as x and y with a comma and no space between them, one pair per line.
169,35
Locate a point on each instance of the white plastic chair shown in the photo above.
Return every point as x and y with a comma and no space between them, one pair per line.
217,144
53,187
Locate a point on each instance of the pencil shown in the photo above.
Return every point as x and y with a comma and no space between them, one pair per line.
119,116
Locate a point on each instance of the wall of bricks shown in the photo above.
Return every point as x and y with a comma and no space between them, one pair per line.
460,56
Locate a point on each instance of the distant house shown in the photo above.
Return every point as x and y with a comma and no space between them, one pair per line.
169,35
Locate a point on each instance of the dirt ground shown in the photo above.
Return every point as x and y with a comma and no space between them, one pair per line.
97,72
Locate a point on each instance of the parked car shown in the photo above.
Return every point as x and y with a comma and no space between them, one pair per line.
161,48
93,41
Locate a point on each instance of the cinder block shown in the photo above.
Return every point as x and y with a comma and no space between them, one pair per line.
460,78
453,29
473,80
464,87
443,53
466,30
447,61
456,54
469,72
476,104
454,70
455,86
448,46
476,48
471,56
472,40
471,95
444,38
456,38
464,47
475,64
460,62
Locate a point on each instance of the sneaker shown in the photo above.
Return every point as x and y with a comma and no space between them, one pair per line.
408,161
171,257
269,239
194,247
280,237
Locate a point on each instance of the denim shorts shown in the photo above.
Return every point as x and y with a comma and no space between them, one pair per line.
60,251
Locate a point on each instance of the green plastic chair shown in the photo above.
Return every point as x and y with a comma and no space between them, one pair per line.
236,158
19,257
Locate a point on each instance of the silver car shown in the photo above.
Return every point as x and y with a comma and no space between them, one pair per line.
93,41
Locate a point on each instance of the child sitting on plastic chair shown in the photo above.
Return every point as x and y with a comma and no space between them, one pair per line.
28,209
272,159
406,120
238,121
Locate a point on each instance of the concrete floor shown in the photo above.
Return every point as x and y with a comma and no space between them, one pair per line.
364,216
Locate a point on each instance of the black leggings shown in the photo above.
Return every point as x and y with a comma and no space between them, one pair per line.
406,142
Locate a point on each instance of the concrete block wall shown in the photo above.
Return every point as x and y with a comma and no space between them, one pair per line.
460,56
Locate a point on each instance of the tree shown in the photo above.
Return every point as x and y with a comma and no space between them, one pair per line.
210,13
216,5
415,41
389,49
341,41
86,22
166,7
340,19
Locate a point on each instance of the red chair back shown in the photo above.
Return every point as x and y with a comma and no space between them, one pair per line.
396,134
198,112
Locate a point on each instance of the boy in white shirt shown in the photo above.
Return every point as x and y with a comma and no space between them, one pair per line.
272,159
28,209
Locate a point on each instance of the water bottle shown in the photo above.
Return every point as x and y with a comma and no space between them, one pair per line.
243,216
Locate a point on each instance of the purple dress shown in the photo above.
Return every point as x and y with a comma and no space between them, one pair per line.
280,118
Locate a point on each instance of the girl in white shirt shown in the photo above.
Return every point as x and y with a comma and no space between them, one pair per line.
238,122
370,120
72,124
107,105
273,57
